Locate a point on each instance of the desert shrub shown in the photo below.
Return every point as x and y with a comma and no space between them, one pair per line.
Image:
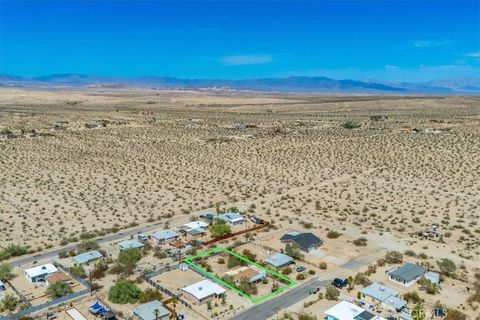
59,289
249,255
123,269
360,242
306,316
410,253
455,315
428,286
332,234
323,265
78,271
9,302
219,228
447,267
311,272
393,257
351,125
150,295
286,271
12,250
129,256
332,293
361,279
99,270
412,297
247,287
5,271
300,276
293,250
63,254
123,292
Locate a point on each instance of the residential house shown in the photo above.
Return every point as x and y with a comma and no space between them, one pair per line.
233,218
87,257
195,228
163,236
279,260
305,241
252,274
383,296
202,291
345,310
407,274
39,273
130,244
153,310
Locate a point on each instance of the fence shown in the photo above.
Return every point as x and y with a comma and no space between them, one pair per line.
231,235
49,304
156,285
45,305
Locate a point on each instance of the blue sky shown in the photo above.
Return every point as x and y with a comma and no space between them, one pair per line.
395,41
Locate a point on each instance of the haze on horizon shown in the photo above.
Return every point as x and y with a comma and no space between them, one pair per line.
388,41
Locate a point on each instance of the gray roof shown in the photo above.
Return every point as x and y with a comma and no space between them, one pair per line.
434,277
305,240
279,260
395,302
379,292
129,244
164,234
227,216
146,311
196,232
87,257
408,272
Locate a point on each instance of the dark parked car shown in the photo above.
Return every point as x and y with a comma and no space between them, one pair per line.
300,269
339,283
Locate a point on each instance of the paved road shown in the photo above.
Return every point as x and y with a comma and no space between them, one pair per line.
125,233
268,308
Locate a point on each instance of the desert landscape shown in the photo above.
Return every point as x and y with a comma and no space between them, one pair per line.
394,172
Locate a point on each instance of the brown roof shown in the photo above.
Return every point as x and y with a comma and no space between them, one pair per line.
58,277
242,272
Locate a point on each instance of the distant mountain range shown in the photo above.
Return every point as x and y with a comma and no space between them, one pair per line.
464,86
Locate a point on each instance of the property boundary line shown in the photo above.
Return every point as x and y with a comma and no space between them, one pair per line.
189,261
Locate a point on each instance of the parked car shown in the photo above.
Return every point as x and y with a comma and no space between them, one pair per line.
339,283
300,269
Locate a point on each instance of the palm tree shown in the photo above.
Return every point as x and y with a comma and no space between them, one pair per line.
418,312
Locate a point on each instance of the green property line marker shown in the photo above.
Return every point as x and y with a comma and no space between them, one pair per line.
189,261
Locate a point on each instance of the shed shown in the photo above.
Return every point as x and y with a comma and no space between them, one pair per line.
434,277
147,311
87,257
279,260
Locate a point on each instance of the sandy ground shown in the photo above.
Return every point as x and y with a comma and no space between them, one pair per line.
285,158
